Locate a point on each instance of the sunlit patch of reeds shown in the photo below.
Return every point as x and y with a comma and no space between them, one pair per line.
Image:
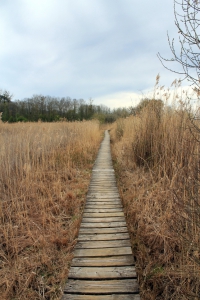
157,159
45,172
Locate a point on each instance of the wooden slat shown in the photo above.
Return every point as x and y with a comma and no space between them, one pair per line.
103,210
103,215
122,260
101,297
102,200
103,244
102,286
103,196
102,252
100,220
101,225
103,237
102,272
104,205
103,230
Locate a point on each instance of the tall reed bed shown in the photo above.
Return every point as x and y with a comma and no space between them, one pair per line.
157,158
45,172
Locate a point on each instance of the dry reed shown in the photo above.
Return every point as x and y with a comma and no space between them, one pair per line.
157,162
45,172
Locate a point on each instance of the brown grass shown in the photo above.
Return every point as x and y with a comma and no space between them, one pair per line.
157,162
45,172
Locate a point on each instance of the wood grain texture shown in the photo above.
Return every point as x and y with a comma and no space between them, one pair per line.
100,252
103,244
102,272
122,260
102,286
103,237
103,230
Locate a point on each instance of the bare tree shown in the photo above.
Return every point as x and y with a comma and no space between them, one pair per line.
187,21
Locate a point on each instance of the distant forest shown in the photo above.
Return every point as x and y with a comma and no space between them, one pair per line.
51,109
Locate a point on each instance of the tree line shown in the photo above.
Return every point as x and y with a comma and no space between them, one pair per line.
51,109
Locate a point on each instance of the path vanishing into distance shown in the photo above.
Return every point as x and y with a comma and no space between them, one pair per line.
103,265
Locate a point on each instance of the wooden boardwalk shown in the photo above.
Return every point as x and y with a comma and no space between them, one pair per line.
103,265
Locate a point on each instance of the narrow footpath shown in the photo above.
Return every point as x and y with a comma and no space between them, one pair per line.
103,265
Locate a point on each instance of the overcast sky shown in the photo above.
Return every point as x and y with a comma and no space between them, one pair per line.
100,49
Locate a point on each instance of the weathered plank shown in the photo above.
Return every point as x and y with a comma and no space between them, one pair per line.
103,214
101,225
103,237
102,252
105,199
108,224
101,287
101,297
103,204
103,230
100,220
121,260
102,272
103,244
103,196
103,210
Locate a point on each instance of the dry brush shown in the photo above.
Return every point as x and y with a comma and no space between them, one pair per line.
45,172
157,159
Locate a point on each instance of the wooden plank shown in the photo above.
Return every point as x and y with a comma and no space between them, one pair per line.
104,205
114,203
106,220
102,244
103,210
103,214
93,204
97,199
101,297
103,237
102,252
106,185
103,196
103,230
101,286
103,225
122,260
102,272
